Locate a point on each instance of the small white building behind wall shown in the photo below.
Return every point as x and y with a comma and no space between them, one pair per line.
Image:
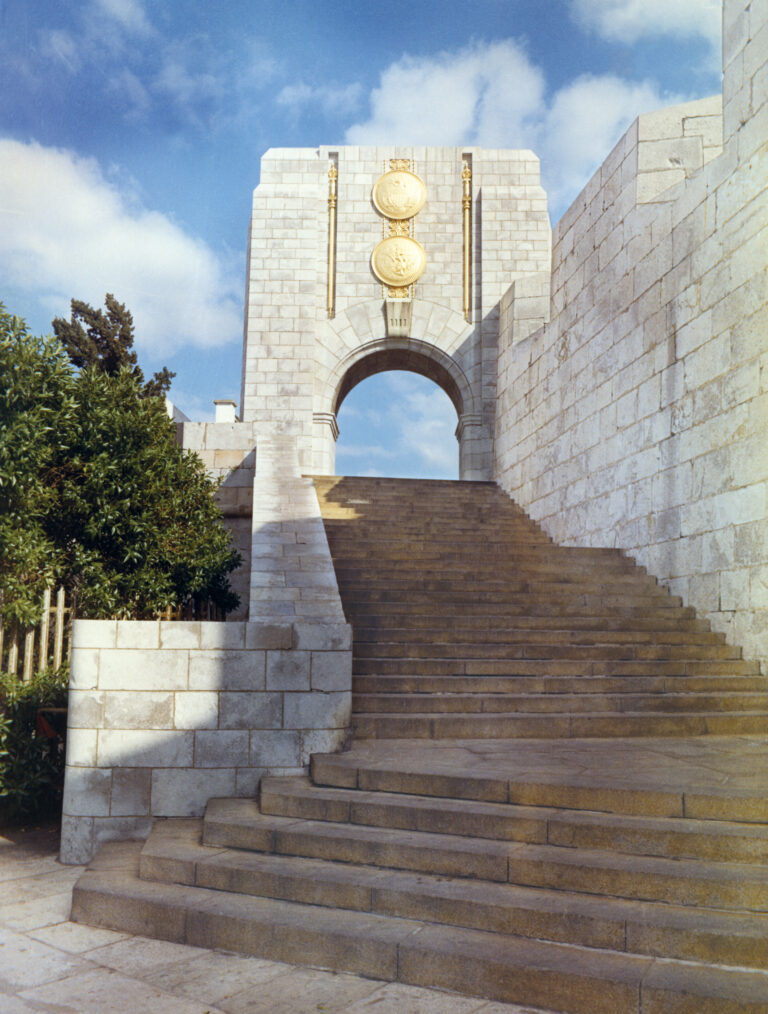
614,382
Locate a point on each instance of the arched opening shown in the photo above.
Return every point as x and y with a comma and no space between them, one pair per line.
400,424
418,359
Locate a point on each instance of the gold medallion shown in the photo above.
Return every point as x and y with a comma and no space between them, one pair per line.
399,194
398,261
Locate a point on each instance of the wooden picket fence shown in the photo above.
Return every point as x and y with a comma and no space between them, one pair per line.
29,651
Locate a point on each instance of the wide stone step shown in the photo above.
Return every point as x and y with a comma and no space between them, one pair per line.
544,649
551,667
540,585
556,703
728,886
582,685
521,610
481,569
175,855
674,838
574,726
660,623
381,554
397,767
446,633
568,978
531,599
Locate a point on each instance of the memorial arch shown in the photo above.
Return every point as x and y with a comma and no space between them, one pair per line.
370,259
344,364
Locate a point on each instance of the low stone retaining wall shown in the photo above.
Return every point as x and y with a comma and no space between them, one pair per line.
164,715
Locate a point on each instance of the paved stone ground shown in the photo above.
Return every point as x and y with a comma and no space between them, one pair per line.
51,965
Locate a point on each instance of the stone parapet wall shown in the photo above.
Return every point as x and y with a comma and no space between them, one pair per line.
292,573
164,715
638,416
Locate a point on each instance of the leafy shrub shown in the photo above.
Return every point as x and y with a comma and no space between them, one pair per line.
31,765
96,495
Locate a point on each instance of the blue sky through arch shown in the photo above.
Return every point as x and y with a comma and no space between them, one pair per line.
131,130
400,425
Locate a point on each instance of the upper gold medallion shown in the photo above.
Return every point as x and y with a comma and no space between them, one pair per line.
398,261
399,194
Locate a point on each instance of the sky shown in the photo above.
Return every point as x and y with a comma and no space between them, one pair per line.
131,133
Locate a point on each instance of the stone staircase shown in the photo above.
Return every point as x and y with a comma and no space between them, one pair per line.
470,623
555,796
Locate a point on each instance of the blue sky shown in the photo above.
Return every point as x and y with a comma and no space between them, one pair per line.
131,132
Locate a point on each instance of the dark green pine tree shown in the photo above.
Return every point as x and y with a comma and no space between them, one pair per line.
104,341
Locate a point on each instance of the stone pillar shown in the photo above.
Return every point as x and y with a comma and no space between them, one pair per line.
325,433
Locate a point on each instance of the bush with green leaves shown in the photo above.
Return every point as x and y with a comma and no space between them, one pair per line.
96,494
31,764
37,399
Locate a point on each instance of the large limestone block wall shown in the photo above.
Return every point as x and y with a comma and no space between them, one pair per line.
164,715
638,416
296,359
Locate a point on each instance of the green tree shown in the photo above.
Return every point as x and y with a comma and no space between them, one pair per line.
36,400
136,522
104,341
95,492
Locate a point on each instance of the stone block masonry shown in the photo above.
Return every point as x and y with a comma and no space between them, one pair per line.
164,715
637,416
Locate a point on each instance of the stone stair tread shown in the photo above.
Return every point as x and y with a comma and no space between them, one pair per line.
417,767
583,685
512,969
721,885
500,908
508,821
245,827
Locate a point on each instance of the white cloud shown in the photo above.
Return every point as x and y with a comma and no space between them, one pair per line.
491,95
59,44
332,101
582,123
630,20
483,94
67,231
127,14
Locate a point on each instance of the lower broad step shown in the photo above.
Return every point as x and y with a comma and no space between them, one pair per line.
570,979
574,918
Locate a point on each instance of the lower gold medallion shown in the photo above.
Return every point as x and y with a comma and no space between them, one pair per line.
398,261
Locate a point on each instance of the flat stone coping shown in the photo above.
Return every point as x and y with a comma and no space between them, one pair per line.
49,963
718,766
